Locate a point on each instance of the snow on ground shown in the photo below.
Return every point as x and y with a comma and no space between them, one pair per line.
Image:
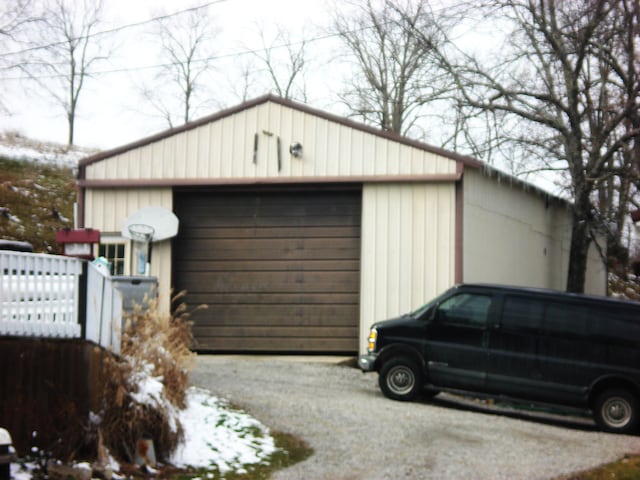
216,437
16,147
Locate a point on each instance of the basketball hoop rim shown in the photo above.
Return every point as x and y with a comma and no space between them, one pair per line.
141,232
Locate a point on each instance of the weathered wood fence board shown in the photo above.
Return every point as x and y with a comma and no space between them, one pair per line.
47,389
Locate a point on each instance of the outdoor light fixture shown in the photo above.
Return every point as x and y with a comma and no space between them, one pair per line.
296,149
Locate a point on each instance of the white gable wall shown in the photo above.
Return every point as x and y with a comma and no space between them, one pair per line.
224,149
514,236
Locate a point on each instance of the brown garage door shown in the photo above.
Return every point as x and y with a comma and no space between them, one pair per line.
278,271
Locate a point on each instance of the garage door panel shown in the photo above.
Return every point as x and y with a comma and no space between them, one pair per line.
278,315
281,332
274,344
271,299
274,268
276,282
278,248
271,222
305,231
267,265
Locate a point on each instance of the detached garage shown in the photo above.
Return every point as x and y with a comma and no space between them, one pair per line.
299,229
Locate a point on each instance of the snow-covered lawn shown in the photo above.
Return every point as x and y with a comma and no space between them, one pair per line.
17,147
217,437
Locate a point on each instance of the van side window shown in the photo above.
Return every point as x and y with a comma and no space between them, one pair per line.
467,309
522,313
615,323
566,318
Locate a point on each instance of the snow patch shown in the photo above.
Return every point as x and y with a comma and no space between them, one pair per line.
16,147
215,436
218,435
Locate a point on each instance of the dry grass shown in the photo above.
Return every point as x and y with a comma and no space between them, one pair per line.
626,469
35,201
153,346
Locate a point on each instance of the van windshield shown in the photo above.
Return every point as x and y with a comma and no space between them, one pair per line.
421,311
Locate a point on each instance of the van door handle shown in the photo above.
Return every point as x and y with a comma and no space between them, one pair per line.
438,364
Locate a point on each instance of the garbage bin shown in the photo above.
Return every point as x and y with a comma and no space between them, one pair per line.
136,290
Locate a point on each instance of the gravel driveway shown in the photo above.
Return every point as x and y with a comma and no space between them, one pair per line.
357,433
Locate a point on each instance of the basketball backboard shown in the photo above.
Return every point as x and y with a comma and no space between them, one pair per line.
163,223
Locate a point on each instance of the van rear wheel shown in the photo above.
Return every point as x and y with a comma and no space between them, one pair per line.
617,411
400,379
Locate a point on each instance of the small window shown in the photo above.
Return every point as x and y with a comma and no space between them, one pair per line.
522,313
114,253
466,309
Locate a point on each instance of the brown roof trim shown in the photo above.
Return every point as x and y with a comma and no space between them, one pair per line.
287,103
200,182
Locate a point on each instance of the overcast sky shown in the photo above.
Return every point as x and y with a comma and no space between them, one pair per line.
112,111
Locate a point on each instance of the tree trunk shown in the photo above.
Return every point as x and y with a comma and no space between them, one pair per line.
580,242
71,120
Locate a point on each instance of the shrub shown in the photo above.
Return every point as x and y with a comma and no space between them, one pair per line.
145,385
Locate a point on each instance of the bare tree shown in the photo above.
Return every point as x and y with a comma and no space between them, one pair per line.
395,73
567,88
64,53
285,64
14,19
186,49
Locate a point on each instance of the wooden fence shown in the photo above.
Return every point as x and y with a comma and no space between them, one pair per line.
48,387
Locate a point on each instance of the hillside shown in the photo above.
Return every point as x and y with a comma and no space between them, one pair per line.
37,190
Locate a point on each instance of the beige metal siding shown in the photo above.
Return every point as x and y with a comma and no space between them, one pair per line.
514,236
107,209
408,248
224,149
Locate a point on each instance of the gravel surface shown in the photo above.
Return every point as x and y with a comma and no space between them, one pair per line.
357,433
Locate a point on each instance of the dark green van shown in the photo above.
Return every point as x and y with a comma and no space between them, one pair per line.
528,344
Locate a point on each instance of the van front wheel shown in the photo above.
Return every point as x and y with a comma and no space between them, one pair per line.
616,411
400,379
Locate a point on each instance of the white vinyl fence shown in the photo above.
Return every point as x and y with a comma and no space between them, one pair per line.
104,310
40,297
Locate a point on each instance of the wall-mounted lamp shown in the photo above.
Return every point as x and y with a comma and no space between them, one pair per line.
296,149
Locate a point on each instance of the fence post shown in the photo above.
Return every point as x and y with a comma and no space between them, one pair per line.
82,300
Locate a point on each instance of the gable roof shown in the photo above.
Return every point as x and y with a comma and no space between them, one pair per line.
463,160
466,160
